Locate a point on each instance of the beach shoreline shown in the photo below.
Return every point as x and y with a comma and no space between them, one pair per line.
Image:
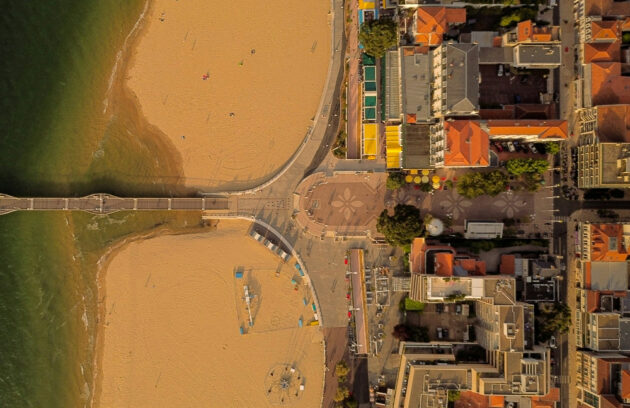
234,104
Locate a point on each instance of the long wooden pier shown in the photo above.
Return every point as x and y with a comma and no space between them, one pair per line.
107,204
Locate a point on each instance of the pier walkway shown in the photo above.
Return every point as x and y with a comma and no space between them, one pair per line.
107,204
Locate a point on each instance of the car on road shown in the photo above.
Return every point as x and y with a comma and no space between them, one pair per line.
500,70
458,309
511,147
439,308
552,342
439,333
445,333
532,148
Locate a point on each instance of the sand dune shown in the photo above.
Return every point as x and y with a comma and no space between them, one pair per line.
266,64
172,318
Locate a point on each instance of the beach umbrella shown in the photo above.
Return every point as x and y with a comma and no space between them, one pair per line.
425,179
409,178
425,172
416,179
435,179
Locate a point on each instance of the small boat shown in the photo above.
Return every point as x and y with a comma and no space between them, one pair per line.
300,322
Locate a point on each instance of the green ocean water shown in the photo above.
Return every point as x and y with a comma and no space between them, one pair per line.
58,139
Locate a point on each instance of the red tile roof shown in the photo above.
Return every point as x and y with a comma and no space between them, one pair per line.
601,236
608,87
607,8
497,401
433,21
613,123
602,51
547,401
444,264
544,129
605,30
467,144
526,31
507,265
625,384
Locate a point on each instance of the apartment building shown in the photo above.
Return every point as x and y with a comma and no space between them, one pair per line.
603,380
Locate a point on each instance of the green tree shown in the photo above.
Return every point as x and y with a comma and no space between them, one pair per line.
341,370
351,403
342,393
552,148
395,180
377,36
475,184
453,395
527,166
401,228
557,320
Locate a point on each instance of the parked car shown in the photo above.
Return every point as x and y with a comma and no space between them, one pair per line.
439,308
500,70
552,342
458,309
517,97
439,333
498,146
511,147
445,333
532,148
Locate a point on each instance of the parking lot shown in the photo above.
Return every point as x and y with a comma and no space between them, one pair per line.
444,316
510,89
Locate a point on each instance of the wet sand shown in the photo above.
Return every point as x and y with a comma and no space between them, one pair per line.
171,319
266,64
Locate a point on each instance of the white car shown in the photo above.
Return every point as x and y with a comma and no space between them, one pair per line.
511,147
552,342
500,70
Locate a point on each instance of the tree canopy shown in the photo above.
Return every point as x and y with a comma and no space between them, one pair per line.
395,180
552,147
475,184
558,320
526,166
401,228
377,36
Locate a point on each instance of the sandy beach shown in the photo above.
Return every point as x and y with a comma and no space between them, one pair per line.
264,64
171,319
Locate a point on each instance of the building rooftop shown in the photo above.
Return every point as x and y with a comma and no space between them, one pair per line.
608,86
416,84
431,22
607,242
416,147
544,129
607,276
602,51
608,8
462,78
538,54
613,123
467,145
526,31
605,30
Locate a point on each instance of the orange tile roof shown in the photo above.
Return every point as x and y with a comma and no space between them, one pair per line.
608,87
433,21
625,25
467,144
592,299
527,31
625,384
607,8
471,399
602,51
444,264
547,401
472,266
613,123
507,265
418,248
602,236
605,30
544,129
497,401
